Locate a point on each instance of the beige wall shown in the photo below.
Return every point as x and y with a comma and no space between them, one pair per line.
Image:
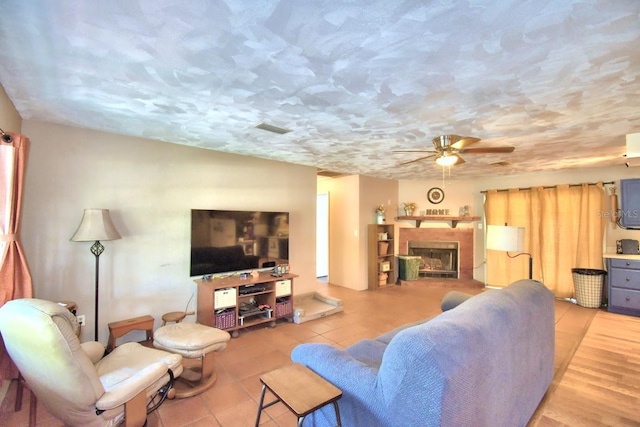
10,120
150,188
457,193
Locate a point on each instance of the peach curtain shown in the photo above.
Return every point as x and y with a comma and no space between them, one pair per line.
15,279
515,208
564,229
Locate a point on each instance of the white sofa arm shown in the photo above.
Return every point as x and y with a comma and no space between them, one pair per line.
122,385
94,350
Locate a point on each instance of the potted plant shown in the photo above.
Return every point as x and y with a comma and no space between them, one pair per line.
409,208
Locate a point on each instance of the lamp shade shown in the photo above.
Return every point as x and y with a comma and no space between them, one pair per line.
505,238
95,225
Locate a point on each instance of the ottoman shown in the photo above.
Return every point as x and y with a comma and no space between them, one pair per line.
196,343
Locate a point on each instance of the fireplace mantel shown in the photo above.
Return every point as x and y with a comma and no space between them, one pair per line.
454,219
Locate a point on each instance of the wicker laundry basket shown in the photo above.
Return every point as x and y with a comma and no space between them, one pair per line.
588,284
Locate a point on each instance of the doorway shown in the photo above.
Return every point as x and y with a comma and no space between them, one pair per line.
322,236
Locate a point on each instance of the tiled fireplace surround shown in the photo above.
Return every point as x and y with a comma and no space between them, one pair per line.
464,237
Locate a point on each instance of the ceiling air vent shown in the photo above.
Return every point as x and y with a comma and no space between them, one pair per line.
272,128
329,174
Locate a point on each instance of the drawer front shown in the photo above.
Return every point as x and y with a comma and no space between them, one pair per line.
224,298
624,263
283,287
623,278
625,298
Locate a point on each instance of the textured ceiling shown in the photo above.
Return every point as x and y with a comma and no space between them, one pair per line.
353,80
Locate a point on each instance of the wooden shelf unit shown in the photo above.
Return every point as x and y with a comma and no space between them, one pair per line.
375,258
454,219
274,288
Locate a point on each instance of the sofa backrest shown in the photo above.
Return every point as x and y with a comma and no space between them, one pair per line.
487,362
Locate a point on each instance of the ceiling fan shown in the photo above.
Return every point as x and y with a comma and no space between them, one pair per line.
449,147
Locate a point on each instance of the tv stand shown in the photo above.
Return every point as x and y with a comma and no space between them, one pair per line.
219,301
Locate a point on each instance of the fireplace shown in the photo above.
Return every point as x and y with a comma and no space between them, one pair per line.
437,259
461,236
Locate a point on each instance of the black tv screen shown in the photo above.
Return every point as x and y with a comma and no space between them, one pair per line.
237,241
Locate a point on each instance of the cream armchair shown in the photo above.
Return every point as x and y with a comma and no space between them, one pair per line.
74,381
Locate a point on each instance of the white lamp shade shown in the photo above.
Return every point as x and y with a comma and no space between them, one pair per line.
446,160
505,238
95,225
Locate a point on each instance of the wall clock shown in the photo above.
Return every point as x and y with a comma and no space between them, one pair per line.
435,195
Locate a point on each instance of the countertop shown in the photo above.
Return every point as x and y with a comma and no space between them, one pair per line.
621,256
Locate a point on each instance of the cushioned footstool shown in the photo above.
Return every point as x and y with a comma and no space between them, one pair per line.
196,343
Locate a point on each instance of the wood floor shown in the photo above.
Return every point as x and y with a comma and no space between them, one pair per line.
600,385
596,381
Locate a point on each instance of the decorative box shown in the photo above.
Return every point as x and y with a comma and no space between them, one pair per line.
225,319
283,288
284,308
224,298
385,266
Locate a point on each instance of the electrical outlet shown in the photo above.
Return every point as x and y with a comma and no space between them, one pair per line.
80,319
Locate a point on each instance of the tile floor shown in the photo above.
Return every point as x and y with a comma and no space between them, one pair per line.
234,398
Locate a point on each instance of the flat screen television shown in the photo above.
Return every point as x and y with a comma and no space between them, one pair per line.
226,242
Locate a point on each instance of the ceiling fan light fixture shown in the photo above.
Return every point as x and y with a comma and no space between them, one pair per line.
447,160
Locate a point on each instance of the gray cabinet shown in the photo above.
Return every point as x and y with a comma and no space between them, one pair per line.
624,285
630,202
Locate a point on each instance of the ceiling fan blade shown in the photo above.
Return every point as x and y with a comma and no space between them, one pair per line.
459,161
468,140
488,150
415,160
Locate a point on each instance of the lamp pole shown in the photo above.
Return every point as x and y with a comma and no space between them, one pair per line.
96,249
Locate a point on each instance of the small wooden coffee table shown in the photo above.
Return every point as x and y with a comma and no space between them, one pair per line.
300,389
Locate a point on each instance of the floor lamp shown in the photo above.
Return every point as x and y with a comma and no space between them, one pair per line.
508,239
96,225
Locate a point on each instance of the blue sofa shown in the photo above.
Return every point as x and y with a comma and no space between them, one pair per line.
486,362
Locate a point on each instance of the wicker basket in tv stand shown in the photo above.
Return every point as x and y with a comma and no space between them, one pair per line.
224,312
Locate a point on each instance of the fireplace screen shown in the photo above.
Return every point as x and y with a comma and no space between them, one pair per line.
437,259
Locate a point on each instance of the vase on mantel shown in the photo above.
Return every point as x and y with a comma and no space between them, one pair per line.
408,212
